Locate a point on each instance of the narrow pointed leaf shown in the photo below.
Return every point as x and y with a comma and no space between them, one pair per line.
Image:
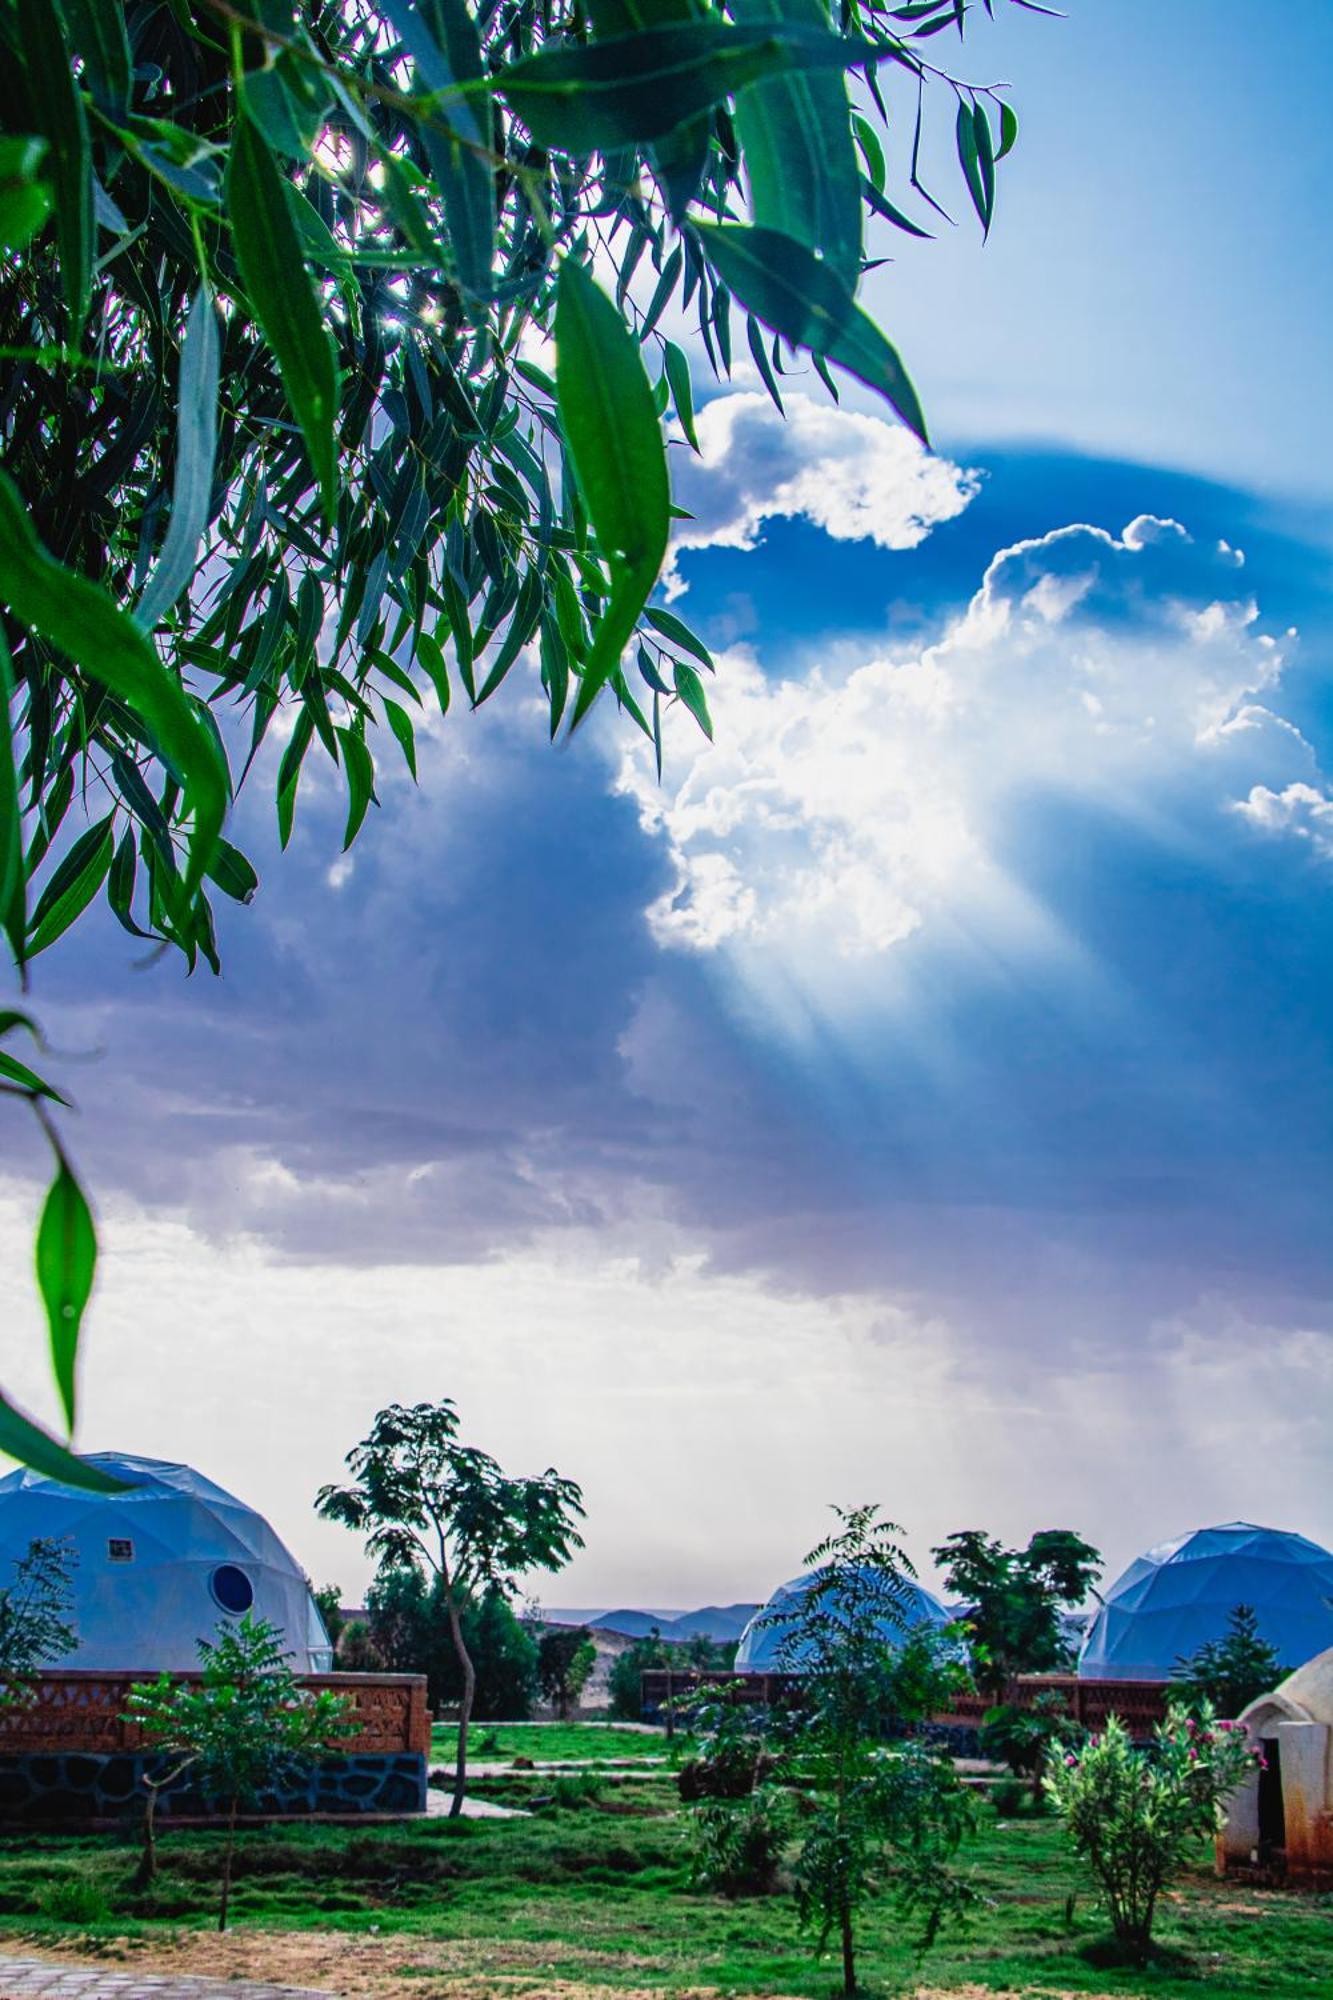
66,1262
441,38
59,107
619,92
797,295
615,440
196,444
22,1439
283,299
795,134
81,619
13,892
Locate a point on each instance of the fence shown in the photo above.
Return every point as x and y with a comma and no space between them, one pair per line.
1139,1704
84,1712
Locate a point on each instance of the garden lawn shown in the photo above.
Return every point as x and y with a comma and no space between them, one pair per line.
596,1896
551,1742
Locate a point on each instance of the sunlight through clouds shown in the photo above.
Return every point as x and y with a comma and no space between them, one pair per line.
841,812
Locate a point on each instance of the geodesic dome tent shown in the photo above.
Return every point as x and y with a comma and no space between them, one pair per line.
160,1565
762,1647
1181,1594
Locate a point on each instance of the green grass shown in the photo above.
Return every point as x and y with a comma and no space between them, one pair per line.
550,1742
603,1888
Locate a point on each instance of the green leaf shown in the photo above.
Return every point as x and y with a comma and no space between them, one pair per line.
289,772
234,873
619,92
691,691
401,724
13,874
1008,130
360,769
969,159
795,134
82,620
25,196
797,295
59,109
441,38
682,395
23,1078
522,625
614,438
72,887
679,633
196,444
97,31
985,159
284,300
66,1261
431,655
22,1439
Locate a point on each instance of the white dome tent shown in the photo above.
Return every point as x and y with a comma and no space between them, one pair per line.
1180,1595
763,1648
161,1565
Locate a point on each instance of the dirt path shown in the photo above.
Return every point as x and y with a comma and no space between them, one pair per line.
329,1965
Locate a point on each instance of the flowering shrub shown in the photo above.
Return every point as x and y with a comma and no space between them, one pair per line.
1134,1815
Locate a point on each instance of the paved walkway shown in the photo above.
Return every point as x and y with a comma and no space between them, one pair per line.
25,1978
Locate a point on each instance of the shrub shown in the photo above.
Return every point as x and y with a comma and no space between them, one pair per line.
74,1899
733,1759
1135,1816
738,1843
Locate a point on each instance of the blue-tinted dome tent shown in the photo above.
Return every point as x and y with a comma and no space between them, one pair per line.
762,1648
1181,1594
160,1565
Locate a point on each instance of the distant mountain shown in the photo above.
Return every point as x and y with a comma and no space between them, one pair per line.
723,1622
715,1621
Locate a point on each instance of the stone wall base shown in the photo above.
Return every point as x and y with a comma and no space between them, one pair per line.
50,1789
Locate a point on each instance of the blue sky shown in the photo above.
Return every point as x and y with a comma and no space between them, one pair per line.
923,1095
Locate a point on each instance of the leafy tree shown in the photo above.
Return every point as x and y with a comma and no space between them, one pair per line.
1026,1738
625,1678
879,1818
36,1615
1014,1599
1137,1817
281,291
329,1599
244,1724
357,1651
1227,1674
566,1657
422,1498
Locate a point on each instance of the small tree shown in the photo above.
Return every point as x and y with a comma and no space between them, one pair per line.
566,1657
36,1611
1231,1672
1136,1816
1026,1738
878,1817
241,1726
329,1600
421,1497
625,1679
1015,1598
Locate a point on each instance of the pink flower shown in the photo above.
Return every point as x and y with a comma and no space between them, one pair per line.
1072,1762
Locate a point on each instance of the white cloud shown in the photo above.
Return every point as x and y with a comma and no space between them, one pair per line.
835,813
1300,810
859,478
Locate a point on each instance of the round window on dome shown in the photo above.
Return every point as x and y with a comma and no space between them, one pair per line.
232,1589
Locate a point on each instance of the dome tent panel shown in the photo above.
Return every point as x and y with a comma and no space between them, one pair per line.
1180,1595
763,1644
161,1565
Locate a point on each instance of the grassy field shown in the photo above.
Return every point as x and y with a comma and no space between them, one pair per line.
551,1742
595,1896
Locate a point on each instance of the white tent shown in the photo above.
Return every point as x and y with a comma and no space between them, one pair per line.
160,1566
